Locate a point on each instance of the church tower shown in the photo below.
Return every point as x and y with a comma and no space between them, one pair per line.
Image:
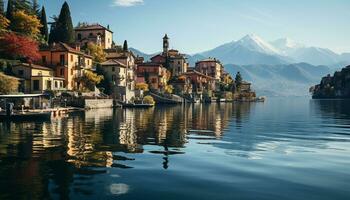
165,44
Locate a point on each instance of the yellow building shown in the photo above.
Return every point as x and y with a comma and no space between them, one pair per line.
37,79
94,33
67,62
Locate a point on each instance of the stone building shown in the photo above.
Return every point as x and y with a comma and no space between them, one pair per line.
94,33
210,67
174,61
152,73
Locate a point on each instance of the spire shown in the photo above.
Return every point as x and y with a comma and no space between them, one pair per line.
166,37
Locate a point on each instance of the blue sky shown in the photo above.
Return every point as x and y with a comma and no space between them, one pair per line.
199,25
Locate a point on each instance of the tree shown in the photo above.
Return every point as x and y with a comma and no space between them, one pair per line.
2,7
36,8
13,46
105,83
25,24
125,46
238,79
97,53
53,32
89,80
10,9
8,84
63,29
23,5
141,86
4,23
44,30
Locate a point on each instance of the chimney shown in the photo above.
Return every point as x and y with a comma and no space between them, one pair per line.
77,47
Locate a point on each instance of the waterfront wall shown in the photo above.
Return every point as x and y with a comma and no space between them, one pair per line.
91,103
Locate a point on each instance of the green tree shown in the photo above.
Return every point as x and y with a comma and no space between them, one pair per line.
2,7
125,46
8,84
63,28
238,79
36,8
10,9
23,5
44,30
105,83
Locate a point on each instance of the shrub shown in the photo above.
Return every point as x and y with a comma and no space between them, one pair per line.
148,100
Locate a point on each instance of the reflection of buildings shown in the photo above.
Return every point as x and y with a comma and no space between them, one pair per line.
54,153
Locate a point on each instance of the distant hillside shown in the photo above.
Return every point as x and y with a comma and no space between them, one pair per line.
281,80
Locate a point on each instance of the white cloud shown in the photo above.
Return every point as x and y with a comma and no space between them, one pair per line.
127,3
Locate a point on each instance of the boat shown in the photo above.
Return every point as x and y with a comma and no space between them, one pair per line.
26,116
136,105
32,113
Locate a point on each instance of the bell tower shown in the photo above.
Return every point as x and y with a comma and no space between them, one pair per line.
165,44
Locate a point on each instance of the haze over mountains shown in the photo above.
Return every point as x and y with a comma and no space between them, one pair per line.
280,67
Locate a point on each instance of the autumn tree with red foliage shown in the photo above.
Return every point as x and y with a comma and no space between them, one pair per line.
13,46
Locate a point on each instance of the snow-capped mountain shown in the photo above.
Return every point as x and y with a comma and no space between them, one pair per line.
302,53
251,49
286,46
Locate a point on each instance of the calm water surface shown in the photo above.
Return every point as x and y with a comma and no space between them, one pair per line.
281,149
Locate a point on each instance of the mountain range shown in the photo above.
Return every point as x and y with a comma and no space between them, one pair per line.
280,67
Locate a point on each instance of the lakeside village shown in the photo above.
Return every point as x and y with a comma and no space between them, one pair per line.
83,67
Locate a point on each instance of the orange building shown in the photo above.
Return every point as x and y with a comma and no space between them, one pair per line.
67,62
152,73
210,67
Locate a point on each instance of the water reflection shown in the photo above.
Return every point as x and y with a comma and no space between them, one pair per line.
247,150
43,157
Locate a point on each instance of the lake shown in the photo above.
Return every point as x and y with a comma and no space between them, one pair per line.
285,148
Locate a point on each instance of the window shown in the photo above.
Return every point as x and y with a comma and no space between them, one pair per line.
88,61
48,84
179,62
71,71
62,71
113,69
71,58
62,59
79,36
56,84
61,84
35,85
43,59
20,72
91,35
114,78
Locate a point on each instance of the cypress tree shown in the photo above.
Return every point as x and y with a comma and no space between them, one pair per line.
125,46
53,30
9,11
35,8
44,30
2,8
64,26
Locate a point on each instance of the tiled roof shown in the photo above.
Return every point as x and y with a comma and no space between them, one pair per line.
150,64
33,66
92,27
112,62
197,73
61,47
